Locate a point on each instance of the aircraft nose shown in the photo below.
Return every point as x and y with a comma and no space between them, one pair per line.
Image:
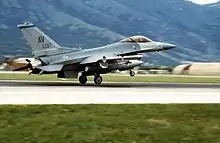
167,46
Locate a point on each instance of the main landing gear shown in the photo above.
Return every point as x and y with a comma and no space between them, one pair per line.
97,79
83,79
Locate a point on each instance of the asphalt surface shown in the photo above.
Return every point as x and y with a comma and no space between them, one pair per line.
24,83
66,92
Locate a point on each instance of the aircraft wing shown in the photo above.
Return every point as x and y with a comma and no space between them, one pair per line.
89,60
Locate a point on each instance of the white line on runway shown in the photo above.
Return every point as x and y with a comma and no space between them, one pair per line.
94,95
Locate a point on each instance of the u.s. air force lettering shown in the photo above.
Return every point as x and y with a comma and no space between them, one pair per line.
44,45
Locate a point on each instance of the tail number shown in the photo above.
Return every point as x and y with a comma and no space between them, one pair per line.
46,45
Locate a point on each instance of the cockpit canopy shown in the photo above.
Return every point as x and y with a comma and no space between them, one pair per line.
137,39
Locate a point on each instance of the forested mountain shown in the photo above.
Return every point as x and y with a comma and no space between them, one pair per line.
91,23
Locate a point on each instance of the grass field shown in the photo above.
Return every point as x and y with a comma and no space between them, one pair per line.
110,124
119,78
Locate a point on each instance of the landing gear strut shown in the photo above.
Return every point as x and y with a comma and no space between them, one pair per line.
132,73
97,79
83,79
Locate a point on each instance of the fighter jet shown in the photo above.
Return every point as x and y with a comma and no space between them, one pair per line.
52,58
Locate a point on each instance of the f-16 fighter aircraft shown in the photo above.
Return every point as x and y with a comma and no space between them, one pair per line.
52,58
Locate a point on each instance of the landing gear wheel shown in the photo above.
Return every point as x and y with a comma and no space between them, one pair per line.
98,80
83,79
132,73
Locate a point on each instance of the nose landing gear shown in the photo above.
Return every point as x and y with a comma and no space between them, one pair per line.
132,73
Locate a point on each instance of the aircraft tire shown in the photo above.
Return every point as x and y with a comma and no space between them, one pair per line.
83,80
132,73
98,80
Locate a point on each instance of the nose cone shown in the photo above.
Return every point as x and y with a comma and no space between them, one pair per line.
155,46
167,46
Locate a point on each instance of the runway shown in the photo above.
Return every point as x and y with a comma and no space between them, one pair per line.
66,92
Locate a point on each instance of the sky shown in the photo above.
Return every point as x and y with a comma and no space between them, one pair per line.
204,1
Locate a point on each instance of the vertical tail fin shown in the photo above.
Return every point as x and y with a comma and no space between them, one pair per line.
41,44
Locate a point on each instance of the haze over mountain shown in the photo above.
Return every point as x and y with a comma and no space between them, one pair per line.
90,23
